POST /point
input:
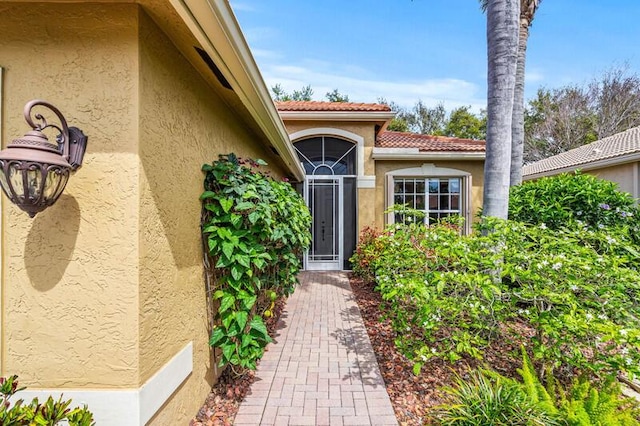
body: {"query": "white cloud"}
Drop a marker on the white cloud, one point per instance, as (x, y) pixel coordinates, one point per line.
(241, 6)
(533, 76)
(362, 86)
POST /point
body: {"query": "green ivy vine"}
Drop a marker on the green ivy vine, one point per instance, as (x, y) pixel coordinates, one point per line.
(256, 229)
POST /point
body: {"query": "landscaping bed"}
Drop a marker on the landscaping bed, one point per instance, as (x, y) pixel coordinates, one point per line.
(414, 396)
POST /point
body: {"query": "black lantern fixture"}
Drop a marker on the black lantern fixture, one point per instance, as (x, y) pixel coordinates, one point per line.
(34, 170)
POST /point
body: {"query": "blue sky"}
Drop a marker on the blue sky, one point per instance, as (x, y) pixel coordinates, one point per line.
(433, 50)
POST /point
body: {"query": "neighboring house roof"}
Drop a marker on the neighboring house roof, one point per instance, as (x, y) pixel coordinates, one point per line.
(329, 106)
(616, 149)
(412, 146)
(427, 142)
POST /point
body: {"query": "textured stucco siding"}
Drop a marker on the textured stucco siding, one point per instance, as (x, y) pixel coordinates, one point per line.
(70, 276)
(625, 175)
(104, 288)
(183, 125)
(476, 168)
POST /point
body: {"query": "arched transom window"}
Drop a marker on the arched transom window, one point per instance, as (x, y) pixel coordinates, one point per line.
(324, 155)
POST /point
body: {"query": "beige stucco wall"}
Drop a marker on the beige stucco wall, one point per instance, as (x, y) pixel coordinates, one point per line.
(476, 168)
(625, 175)
(182, 126)
(70, 276)
(105, 287)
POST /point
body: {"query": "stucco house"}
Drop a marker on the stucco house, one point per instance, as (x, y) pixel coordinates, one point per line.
(615, 158)
(356, 169)
(102, 295)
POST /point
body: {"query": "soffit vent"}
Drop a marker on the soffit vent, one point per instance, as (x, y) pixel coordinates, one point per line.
(212, 66)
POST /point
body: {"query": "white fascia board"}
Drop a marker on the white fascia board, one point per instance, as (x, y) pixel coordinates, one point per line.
(337, 115)
(126, 407)
(607, 162)
(214, 25)
(416, 154)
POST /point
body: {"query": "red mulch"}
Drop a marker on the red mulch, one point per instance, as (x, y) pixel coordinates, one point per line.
(413, 396)
(222, 404)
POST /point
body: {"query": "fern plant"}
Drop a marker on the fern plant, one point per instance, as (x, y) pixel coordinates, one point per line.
(585, 405)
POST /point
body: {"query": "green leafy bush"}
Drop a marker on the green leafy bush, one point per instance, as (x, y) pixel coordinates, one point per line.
(256, 229)
(576, 307)
(572, 199)
(366, 253)
(49, 413)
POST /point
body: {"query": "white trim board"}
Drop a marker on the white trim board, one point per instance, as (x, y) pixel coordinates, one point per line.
(416, 154)
(127, 407)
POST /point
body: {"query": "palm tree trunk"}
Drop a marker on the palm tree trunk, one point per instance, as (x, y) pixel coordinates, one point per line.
(517, 121)
(502, 54)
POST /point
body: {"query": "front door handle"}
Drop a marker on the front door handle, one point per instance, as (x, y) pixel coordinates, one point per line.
(322, 230)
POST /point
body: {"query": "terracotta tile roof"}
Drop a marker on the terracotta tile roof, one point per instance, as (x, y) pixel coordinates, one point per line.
(426, 143)
(618, 145)
(329, 106)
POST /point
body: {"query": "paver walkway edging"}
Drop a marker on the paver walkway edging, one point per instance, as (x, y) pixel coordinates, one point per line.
(321, 368)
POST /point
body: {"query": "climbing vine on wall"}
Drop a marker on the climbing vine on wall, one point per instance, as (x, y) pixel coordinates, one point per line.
(255, 229)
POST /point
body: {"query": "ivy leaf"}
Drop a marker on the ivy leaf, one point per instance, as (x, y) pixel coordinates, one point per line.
(217, 336)
(226, 204)
(248, 303)
(227, 249)
(258, 263)
(227, 302)
(257, 328)
(207, 167)
(417, 367)
(222, 262)
(241, 319)
(244, 205)
(208, 194)
(254, 216)
(228, 350)
(261, 162)
(236, 272)
(236, 220)
(243, 259)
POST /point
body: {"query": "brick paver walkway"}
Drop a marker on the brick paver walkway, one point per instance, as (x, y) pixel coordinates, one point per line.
(321, 369)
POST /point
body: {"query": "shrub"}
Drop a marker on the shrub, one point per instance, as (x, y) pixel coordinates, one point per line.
(256, 230)
(571, 199)
(366, 253)
(49, 413)
(577, 307)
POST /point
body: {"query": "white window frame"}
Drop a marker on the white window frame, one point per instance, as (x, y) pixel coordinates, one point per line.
(431, 171)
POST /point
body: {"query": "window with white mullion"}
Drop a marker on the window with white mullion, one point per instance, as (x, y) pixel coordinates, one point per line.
(436, 197)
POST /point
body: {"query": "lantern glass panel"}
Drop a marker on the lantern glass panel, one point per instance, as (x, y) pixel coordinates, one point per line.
(34, 180)
(5, 184)
(16, 180)
(56, 181)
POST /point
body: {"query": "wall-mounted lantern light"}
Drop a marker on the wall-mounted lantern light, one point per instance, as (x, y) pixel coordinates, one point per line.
(34, 170)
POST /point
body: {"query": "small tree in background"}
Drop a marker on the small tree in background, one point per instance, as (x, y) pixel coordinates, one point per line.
(303, 94)
(336, 96)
